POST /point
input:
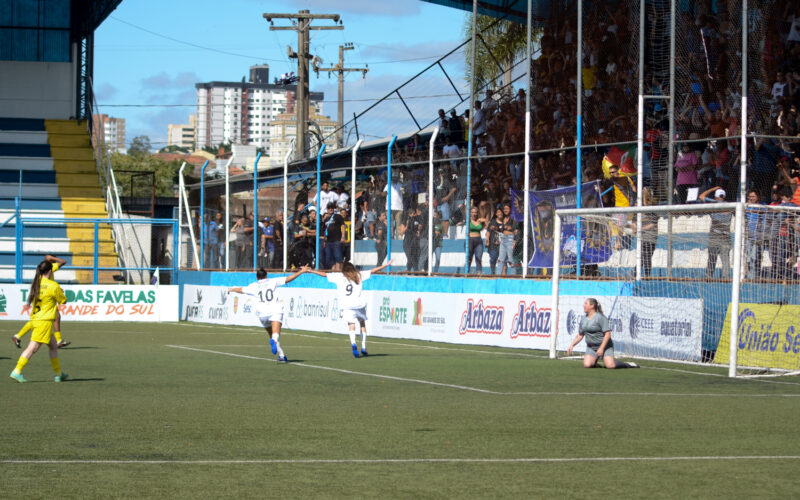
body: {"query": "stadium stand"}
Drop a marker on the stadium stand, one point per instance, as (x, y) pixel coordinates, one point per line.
(49, 165)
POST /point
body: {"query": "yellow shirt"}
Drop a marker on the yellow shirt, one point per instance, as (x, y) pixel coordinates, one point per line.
(45, 306)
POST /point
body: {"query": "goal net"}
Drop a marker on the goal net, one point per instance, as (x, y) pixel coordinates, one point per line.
(673, 282)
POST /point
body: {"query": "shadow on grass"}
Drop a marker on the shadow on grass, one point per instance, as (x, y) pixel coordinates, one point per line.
(370, 355)
(78, 348)
(96, 379)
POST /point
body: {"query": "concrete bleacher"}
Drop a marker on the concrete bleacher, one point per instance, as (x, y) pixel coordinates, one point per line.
(50, 166)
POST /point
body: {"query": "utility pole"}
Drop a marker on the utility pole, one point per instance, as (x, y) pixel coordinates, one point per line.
(301, 23)
(341, 70)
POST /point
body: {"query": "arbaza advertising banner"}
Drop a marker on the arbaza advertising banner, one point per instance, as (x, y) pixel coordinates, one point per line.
(474, 319)
(99, 303)
(767, 337)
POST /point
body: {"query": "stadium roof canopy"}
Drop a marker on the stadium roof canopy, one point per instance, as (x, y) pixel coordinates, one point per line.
(510, 10)
(87, 15)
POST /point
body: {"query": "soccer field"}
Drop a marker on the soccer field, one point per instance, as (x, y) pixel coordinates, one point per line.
(200, 411)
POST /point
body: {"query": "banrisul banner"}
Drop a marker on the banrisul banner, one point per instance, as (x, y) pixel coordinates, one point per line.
(303, 309)
(99, 302)
(641, 326)
(768, 337)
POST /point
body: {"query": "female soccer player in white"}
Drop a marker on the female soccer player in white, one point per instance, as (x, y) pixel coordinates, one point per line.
(594, 326)
(268, 309)
(354, 308)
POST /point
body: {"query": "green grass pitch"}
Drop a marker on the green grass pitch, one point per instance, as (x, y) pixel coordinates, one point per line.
(201, 411)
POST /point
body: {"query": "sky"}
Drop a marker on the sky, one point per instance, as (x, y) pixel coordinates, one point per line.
(149, 54)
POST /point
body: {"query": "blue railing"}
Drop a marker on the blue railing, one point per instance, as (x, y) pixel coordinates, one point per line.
(22, 223)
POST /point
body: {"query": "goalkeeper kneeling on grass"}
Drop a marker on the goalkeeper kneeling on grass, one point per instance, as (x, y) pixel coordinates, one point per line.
(594, 326)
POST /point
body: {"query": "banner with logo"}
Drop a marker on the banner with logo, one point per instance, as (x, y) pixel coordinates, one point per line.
(485, 319)
(646, 327)
(650, 327)
(543, 204)
(767, 338)
(303, 309)
(99, 303)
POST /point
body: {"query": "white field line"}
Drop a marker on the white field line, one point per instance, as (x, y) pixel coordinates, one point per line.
(476, 389)
(399, 460)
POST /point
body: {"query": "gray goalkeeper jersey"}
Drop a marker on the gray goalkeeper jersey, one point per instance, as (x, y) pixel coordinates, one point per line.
(593, 329)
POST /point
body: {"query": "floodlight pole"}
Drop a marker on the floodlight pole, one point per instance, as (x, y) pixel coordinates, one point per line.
(301, 23)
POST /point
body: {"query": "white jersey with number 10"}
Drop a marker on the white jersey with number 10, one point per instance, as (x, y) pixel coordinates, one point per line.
(349, 292)
(268, 303)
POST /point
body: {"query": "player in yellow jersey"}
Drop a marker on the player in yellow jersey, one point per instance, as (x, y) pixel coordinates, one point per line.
(44, 297)
(17, 339)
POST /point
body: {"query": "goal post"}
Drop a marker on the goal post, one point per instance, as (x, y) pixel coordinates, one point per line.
(709, 283)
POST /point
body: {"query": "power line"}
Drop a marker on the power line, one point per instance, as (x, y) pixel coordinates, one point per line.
(259, 58)
(431, 96)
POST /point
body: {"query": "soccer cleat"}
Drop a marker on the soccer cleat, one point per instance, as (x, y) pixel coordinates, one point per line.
(273, 346)
(61, 378)
(64, 343)
(282, 359)
(355, 350)
(16, 341)
(631, 364)
(18, 377)
(364, 352)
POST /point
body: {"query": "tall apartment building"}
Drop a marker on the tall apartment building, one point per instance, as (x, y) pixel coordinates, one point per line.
(240, 112)
(113, 132)
(182, 135)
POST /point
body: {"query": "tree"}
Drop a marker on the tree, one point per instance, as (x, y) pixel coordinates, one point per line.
(166, 174)
(140, 146)
(507, 41)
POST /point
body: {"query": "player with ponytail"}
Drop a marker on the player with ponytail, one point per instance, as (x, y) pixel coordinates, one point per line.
(594, 326)
(44, 297)
(354, 308)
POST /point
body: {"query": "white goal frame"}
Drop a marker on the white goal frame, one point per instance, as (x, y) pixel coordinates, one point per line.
(737, 208)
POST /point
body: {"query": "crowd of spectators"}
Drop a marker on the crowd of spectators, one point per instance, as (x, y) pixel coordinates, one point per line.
(707, 127)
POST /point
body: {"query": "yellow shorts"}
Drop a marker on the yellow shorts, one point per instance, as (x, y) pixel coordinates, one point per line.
(42, 331)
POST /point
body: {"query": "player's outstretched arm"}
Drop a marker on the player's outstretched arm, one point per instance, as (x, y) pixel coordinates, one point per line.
(314, 271)
(382, 267)
(295, 275)
(236, 289)
(55, 260)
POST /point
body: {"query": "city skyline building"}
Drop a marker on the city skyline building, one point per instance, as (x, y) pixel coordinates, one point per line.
(113, 132)
(241, 112)
(183, 135)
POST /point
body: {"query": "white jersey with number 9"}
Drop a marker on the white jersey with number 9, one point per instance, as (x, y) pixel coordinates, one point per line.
(349, 292)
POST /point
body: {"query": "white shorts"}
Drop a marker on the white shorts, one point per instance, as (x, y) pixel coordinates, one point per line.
(352, 316)
(267, 320)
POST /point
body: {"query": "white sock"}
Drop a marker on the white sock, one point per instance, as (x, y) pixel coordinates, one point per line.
(352, 337)
(363, 340)
(276, 337)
